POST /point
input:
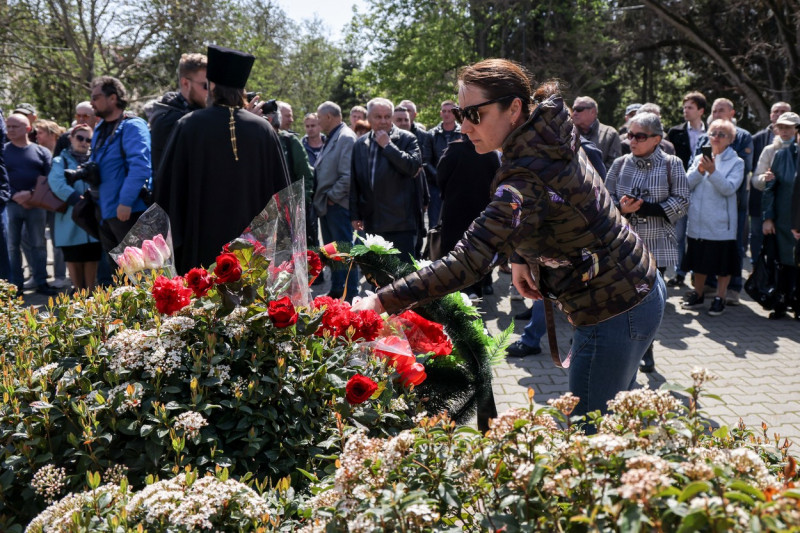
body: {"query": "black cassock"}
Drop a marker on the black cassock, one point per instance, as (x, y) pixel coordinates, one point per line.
(209, 195)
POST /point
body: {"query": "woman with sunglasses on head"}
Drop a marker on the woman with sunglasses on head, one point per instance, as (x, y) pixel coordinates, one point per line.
(649, 187)
(552, 215)
(712, 221)
(81, 251)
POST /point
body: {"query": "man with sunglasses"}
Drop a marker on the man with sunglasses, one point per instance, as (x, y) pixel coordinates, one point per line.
(584, 116)
(192, 95)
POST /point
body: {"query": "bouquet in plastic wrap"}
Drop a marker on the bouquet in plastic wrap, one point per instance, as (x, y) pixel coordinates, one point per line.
(147, 247)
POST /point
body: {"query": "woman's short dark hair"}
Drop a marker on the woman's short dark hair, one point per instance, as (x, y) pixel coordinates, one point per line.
(501, 77)
(224, 95)
(80, 127)
(110, 85)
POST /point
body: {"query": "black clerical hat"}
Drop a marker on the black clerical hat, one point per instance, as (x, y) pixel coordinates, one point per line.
(228, 67)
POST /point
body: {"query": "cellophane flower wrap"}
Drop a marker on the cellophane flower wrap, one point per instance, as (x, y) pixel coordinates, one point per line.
(147, 247)
(279, 233)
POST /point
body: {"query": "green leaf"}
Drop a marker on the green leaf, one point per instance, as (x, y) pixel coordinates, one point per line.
(496, 350)
(309, 475)
(630, 521)
(743, 486)
(721, 433)
(692, 489)
(693, 522)
(739, 497)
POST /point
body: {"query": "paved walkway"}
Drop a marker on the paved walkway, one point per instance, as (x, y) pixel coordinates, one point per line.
(757, 360)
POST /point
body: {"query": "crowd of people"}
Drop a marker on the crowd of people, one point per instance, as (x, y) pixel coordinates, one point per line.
(696, 196)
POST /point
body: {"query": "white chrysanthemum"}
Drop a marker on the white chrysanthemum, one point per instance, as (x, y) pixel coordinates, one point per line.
(465, 299)
(376, 240)
(190, 422)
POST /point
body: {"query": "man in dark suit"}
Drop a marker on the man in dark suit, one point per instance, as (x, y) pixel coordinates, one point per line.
(684, 137)
(383, 192)
(761, 140)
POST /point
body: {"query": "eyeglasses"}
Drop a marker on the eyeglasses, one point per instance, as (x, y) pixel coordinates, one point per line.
(471, 111)
(579, 109)
(720, 134)
(640, 137)
(83, 139)
(203, 84)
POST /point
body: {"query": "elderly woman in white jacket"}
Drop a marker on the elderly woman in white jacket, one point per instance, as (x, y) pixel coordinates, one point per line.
(711, 224)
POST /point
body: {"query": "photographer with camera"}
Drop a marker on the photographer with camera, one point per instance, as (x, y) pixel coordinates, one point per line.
(121, 150)
(81, 251)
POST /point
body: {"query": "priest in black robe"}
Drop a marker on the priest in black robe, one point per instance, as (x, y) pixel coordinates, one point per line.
(221, 166)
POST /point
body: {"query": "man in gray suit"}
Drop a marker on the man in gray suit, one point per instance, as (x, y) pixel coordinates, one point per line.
(584, 116)
(332, 197)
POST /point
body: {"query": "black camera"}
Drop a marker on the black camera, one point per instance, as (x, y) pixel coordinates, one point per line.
(88, 172)
(270, 106)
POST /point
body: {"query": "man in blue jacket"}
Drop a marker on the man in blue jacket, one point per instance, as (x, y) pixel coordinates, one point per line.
(121, 149)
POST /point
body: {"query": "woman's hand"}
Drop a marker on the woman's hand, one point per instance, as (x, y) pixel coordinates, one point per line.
(370, 301)
(523, 281)
(629, 204)
(768, 227)
(707, 165)
(768, 175)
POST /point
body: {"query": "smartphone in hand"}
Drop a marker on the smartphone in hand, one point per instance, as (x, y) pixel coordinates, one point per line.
(706, 151)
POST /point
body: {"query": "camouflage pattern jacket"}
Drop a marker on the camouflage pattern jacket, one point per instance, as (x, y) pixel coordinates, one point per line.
(550, 210)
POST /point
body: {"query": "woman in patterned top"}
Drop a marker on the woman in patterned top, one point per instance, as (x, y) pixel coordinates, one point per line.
(552, 215)
(649, 187)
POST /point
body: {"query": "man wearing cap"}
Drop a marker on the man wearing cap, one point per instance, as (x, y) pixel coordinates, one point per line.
(192, 95)
(584, 116)
(221, 166)
(629, 112)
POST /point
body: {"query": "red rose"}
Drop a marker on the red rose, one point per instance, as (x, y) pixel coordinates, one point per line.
(228, 268)
(412, 374)
(282, 312)
(314, 266)
(171, 295)
(425, 336)
(199, 281)
(359, 388)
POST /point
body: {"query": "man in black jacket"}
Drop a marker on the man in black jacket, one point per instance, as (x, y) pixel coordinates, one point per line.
(439, 137)
(173, 105)
(383, 192)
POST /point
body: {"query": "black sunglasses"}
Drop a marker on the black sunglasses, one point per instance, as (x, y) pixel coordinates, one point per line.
(83, 139)
(579, 109)
(640, 137)
(471, 111)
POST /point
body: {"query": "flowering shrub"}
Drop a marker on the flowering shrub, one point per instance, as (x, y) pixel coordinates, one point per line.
(653, 465)
(209, 371)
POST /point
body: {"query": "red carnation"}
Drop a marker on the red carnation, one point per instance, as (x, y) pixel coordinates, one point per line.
(171, 295)
(359, 389)
(370, 325)
(331, 252)
(228, 268)
(199, 281)
(425, 336)
(282, 312)
(314, 266)
(258, 248)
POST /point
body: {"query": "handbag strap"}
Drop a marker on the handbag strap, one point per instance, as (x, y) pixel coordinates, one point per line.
(550, 322)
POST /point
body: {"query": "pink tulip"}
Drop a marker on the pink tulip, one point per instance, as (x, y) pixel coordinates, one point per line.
(134, 259)
(152, 257)
(162, 246)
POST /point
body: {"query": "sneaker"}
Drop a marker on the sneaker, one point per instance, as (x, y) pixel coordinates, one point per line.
(29, 284)
(692, 300)
(514, 294)
(61, 283)
(525, 315)
(717, 307)
(732, 298)
(676, 282)
(520, 349)
(46, 290)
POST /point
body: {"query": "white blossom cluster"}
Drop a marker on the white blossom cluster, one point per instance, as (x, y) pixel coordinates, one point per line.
(645, 475)
(565, 403)
(701, 376)
(196, 507)
(48, 482)
(134, 349)
(114, 474)
(398, 404)
(222, 372)
(504, 423)
(747, 461)
(629, 403)
(190, 423)
(43, 371)
(235, 324)
(120, 291)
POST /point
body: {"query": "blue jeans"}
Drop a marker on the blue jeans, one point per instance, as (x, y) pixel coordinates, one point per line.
(33, 220)
(605, 356)
(5, 265)
(680, 236)
(336, 226)
(536, 327)
(435, 205)
(756, 238)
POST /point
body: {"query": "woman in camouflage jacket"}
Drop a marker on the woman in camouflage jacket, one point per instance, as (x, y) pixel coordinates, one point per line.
(552, 215)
